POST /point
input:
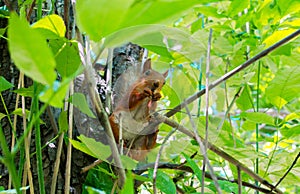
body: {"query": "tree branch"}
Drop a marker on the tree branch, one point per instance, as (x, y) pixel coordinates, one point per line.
(207, 175)
(233, 72)
(290, 168)
(218, 151)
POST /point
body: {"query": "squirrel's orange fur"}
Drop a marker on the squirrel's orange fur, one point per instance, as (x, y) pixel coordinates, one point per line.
(133, 111)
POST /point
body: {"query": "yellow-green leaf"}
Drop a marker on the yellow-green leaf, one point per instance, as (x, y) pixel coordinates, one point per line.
(53, 23)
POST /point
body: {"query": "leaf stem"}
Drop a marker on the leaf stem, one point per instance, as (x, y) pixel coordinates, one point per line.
(38, 145)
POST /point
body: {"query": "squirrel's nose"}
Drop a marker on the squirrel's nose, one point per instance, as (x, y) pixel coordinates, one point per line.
(156, 84)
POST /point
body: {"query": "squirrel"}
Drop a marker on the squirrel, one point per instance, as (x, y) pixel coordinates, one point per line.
(133, 111)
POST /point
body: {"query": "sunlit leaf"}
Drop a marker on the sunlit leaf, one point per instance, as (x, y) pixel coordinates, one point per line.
(30, 52)
(284, 87)
(277, 36)
(290, 132)
(112, 15)
(258, 117)
(244, 101)
(53, 23)
(107, 16)
(237, 6)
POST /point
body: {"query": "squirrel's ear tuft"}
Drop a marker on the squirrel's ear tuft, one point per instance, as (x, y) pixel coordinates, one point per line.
(147, 65)
(166, 74)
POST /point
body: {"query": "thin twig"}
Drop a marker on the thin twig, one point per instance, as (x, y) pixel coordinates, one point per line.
(206, 106)
(66, 17)
(8, 5)
(52, 120)
(218, 151)
(233, 72)
(87, 168)
(185, 168)
(158, 157)
(101, 114)
(203, 150)
(109, 80)
(27, 140)
(59, 151)
(290, 168)
(239, 180)
(29, 12)
(69, 148)
(14, 125)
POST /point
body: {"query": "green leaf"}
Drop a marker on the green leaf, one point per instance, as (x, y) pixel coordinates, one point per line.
(99, 180)
(112, 15)
(154, 12)
(28, 92)
(284, 87)
(248, 125)
(2, 116)
(53, 23)
(237, 6)
(18, 112)
(4, 84)
(79, 101)
(68, 60)
(2, 31)
(98, 149)
(244, 101)
(105, 14)
(30, 52)
(128, 186)
(191, 163)
(128, 162)
(63, 121)
(55, 94)
(258, 117)
(291, 116)
(82, 147)
(290, 132)
(228, 186)
(164, 182)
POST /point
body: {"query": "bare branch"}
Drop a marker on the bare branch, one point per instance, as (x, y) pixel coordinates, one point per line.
(102, 116)
(207, 175)
(290, 168)
(218, 151)
(203, 150)
(158, 157)
(206, 109)
(233, 72)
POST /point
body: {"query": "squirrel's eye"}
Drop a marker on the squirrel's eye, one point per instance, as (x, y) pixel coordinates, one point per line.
(147, 72)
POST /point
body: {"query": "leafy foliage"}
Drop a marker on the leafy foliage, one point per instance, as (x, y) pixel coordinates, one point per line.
(253, 117)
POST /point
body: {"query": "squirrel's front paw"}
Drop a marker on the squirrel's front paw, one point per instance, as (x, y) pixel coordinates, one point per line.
(156, 96)
(148, 92)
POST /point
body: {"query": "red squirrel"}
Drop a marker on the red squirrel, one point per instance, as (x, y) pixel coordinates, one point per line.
(133, 112)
